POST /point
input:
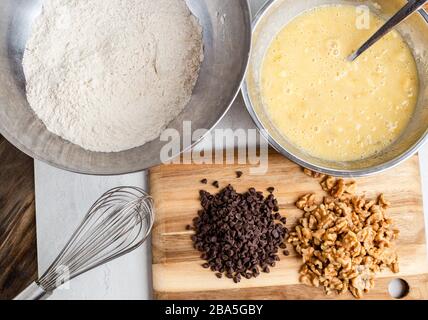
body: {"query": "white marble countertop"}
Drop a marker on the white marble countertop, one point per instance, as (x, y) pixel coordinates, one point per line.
(62, 199)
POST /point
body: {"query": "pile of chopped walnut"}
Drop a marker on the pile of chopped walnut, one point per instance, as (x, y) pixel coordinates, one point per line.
(345, 240)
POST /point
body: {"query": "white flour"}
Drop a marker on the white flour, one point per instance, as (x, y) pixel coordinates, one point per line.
(111, 75)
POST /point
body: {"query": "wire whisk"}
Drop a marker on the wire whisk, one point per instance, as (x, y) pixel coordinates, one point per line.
(118, 223)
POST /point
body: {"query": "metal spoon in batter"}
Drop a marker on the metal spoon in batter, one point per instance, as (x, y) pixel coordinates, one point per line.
(400, 16)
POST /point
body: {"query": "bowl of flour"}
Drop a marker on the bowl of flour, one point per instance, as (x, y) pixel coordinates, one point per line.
(90, 86)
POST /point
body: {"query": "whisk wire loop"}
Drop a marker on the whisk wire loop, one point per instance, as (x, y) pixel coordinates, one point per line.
(119, 222)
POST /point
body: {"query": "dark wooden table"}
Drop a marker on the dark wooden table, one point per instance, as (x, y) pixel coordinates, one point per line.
(18, 251)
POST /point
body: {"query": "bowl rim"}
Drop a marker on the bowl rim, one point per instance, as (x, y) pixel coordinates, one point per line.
(411, 151)
(236, 90)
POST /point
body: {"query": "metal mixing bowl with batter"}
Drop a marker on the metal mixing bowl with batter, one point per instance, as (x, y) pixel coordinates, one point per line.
(270, 20)
(227, 41)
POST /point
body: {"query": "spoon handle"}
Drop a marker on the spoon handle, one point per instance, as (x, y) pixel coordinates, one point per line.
(400, 16)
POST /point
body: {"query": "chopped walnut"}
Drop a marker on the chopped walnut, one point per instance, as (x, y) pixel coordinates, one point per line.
(328, 183)
(313, 174)
(345, 240)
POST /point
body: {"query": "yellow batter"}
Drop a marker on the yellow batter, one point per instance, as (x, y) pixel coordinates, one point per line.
(329, 107)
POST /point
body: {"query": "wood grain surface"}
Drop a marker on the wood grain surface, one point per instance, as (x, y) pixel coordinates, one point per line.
(18, 253)
(177, 271)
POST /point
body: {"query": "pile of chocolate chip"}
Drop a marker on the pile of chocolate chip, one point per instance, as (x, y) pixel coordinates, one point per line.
(239, 235)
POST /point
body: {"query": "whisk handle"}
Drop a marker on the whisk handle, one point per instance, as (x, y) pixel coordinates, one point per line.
(33, 292)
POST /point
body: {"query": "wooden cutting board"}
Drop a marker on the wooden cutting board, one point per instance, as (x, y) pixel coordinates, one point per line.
(177, 271)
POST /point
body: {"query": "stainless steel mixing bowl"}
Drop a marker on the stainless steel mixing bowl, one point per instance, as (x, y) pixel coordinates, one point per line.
(227, 42)
(268, 23)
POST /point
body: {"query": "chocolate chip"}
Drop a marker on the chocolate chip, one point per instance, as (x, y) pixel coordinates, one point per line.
(204, 181)
(286, 253)
(238, 233)
(219, 275)
(271, 189)
(188, 227)
(239, 174)
(216, 184)
(266, 269)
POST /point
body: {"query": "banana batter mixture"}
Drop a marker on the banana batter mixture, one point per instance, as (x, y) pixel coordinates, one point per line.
(329, 107)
